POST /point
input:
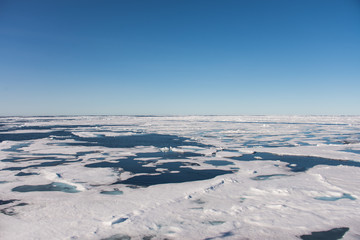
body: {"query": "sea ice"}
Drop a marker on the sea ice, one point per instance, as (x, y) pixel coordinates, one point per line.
(180, 177)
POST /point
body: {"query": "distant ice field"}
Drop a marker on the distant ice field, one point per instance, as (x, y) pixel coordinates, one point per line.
(180, 177)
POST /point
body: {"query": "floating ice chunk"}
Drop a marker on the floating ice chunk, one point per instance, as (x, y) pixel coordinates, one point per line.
(228, 154)
(164, 149)
(85, 134)
(171, 149)
(178, 150)
(162, 170)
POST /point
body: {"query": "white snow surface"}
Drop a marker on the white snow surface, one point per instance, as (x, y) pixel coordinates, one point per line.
(229, 206)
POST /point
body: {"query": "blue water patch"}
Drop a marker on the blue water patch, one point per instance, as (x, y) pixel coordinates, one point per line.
(187, 175)
(118, 237)
(223, 235)
(129, 165)
(168, 155)
(299, 143)
(26, 159)
(120, 220)
(25, 174)
(55, 186)
(32, 136)
(267, 144)
(332, 140)
(55, 162)
(44, 164)
(56, 127)
(267, 177)
(351, 141)
(341, 139)
(344, 196)
(199, 201)
(181, 174)
(352, 151)
(286, 139)
(132, 164)
(16, 147)
(296, 163)
(4, 202)
(214, 223)
(219, 162)
(113, 192)
(80, 154)
(156, 140)
(182, 171)
(332, 234)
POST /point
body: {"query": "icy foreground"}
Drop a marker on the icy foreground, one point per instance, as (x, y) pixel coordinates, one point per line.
(195, 177)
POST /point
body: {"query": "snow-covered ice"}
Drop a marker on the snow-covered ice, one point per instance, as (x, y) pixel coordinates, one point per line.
(179, 177)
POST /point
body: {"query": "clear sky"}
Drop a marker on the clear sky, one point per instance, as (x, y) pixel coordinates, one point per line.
(179, 57)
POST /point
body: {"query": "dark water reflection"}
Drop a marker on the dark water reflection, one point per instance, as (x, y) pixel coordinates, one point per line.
(185, 175)
(332, 234)
(296, 163)
(156, 140)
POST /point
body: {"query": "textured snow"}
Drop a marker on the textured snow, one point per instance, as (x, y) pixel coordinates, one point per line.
(253, 200)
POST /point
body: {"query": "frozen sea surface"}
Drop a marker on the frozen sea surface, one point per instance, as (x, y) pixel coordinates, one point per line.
(191, 177)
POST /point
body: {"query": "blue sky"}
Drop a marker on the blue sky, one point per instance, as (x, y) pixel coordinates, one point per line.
(179, 57)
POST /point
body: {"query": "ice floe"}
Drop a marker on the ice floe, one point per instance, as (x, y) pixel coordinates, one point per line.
(180, 177)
